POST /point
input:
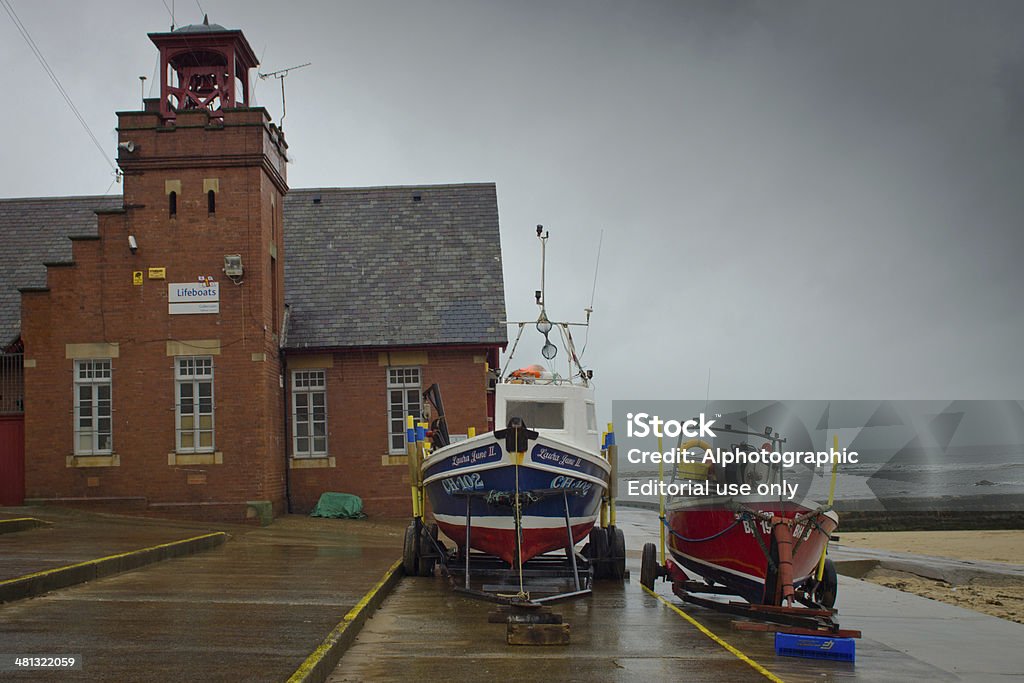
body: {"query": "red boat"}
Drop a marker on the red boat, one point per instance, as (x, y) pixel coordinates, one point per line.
(767, 550)
(729, 543)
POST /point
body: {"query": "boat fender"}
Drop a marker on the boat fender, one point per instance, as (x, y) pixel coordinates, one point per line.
(783, 537)
(697, 470)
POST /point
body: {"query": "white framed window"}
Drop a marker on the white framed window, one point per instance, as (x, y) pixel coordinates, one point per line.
(538, 414)
(93, 433)
(403, 399)
(591, 417)
(309, 413)
(193, 411)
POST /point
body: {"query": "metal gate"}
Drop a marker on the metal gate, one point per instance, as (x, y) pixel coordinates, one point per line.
(12, 430)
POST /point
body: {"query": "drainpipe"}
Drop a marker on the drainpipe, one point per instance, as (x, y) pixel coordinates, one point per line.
(284, 412)
(284, 415)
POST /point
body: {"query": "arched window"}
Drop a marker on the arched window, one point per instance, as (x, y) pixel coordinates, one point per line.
(172, 204)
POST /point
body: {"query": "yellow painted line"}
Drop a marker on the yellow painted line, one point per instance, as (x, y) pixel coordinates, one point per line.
(56, 570)
(21, 519)
(706, 631)
(335, 635)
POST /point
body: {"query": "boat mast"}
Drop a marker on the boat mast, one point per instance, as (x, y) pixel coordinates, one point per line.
(544, 326)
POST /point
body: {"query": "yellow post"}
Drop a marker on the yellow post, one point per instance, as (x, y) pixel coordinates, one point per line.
(613, 483)
(831, 497)
(661, 502)
(471, 432)
(414, 467)
(424, 450)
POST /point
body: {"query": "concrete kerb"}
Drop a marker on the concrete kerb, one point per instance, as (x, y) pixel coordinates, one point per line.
(9, 526)
(37, 583)
(319, 665)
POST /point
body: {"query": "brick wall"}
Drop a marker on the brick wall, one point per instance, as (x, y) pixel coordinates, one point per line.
(94, 301)
(357, 422)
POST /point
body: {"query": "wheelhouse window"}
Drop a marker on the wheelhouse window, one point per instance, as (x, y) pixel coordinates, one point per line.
(93, 433)
(591, 418)
(309, 413)
(403, 399)
(537, 414)
(193, 377)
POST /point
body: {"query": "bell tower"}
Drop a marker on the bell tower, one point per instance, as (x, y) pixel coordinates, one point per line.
(191, 271)
(203, 66)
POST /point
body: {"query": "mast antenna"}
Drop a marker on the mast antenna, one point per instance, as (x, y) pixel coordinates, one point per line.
(280, 75)
(593, 292)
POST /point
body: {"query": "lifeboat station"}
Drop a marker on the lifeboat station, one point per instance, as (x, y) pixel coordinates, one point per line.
(215, 344)
(189, 370)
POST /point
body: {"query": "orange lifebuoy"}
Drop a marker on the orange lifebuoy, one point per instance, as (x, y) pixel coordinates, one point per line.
(534, 371)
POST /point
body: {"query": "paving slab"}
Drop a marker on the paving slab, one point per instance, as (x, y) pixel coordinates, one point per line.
(252, 609)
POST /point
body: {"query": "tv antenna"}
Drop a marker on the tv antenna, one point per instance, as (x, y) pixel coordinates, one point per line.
(280, 75)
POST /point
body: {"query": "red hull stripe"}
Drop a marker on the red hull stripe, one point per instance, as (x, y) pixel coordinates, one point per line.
(502, 542)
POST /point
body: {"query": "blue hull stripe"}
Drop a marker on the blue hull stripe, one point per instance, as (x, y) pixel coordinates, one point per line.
(502, 478)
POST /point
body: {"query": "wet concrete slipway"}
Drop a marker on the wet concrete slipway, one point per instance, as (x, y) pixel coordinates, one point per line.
(425, 632)
(259, 605)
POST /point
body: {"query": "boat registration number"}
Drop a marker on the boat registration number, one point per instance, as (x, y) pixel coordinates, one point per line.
(765, 527)
(463, 482)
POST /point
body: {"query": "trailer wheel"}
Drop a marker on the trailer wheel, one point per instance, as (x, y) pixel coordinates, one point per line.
(825, 592)
(648, 566)
(410, 553)
(616, 553)
(427, 556)
(599, 552)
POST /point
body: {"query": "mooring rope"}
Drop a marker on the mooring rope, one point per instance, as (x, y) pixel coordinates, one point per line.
(696, 540)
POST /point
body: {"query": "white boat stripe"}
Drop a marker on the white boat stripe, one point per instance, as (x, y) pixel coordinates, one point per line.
(506, 522)
(749, 577)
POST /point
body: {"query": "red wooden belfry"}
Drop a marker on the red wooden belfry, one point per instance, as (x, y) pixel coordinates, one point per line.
(203, 66)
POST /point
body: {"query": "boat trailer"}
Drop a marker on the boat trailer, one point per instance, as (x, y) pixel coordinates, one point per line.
(813, 615)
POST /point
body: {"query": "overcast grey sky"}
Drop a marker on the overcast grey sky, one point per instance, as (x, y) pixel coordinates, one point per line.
(814, 199)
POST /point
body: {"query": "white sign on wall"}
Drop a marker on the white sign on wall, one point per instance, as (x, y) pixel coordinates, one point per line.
(193, 297)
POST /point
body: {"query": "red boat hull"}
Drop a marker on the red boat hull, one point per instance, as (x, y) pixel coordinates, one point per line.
(709, 540)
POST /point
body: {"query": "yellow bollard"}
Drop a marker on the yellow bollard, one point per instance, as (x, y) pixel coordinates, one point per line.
(471, 432)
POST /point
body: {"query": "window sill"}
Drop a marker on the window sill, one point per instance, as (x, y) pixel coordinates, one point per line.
(195, 458)
(112, 460)
(389, 460)
(308, 463)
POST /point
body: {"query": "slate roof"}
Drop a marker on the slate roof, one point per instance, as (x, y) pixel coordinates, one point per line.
(375, 267)
(364, 267)
(34, 232)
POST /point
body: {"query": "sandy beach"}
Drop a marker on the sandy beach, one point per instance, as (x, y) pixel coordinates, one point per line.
(991, 546)
(997, 596)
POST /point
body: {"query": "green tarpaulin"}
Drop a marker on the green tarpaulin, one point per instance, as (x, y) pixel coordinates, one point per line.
(343, 505)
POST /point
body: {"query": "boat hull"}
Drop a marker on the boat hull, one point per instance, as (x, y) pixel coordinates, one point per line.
(481, 466)
(708, 540)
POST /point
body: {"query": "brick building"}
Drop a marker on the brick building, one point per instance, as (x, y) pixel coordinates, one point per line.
(213, 344)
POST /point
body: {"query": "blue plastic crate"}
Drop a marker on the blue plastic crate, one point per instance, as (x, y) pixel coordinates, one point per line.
(815, 647)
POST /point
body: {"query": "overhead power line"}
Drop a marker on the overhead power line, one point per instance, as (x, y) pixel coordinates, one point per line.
(56, 81)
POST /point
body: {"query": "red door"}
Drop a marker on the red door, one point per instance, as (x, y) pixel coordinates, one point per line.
(12, 459)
